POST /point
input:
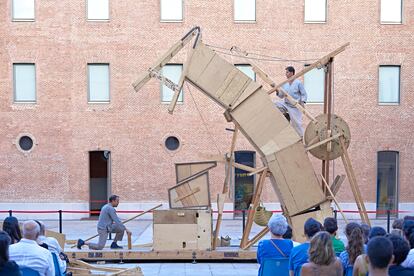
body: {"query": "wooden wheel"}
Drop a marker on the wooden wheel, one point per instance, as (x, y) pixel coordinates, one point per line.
(316, 132)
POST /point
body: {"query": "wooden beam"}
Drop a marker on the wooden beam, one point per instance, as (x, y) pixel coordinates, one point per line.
(334, 198)
(260, 235)
(323, 142)
(196, 190)
(252, 211)
(257, 171)
(321, 62)
(336, 184)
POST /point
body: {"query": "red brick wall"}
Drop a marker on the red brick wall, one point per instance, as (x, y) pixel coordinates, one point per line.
(133, 125)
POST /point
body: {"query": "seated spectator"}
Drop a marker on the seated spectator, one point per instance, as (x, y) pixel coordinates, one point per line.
(11, 227)
(276, 247)
(397, 232)
(365, 230)
(400, 252)
(408, 228)
(7, 268)
(397, 224)
(355, 247)
(377, 231)
(288, 236)
(299, 254)
(322, 259)
(331, 226)
(409, 235)
(379, 256)
(28, 253)
(52, 245)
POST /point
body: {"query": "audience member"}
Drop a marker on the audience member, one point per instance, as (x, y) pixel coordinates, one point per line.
(409, 260)
(377, 231)
(397, 224)
(400, 252)
(276, 247)
(288, 236)
(7, 268)
(331, 226)
(355, 247)
(52, 245)
(11, 227)
(379, 256)
(322, 259)
(365, 230)
(299, 254)
(28, 253)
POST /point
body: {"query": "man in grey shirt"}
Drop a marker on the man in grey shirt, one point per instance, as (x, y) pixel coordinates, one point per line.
(297, 91)
(108, 222)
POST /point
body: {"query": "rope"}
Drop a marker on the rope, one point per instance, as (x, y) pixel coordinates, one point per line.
(260, 57)
(202, 119)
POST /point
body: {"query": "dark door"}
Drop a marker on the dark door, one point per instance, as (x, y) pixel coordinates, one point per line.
(387, 182)
(99, 180)
(243, 184)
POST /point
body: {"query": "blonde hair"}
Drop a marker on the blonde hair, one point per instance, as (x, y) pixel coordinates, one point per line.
(321, 250)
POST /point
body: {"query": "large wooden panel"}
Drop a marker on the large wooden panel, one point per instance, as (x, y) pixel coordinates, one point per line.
(174, 217)
(186, 170)
(175, 236)
(194, 193)
(294, 179)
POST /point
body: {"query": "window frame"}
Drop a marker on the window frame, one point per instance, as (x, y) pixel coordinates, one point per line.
(89, 84)
(172, 20)
(161, 86)
(315, 21)
(15, 101)
(399, 86)
(23, 19)
(97, 20)
(245, 21)
(391, 22)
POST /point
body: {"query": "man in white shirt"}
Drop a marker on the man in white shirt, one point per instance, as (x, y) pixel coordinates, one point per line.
(53, 245)
(28, 253)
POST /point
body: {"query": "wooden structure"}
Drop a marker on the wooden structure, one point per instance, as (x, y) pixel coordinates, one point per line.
(301, 192)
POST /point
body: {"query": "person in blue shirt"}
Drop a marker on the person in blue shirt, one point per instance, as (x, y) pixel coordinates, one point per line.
(299, 254)
(400, 252)
(276, 247)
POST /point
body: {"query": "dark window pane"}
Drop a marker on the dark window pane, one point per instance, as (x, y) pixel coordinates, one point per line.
(26, 143)
(172, 143)
(387, 181)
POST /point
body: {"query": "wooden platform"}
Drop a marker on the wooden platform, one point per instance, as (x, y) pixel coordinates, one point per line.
(224, 253)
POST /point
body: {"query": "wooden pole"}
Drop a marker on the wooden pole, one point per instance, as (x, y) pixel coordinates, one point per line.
(260, 235)
(334, 199)
(125, 221)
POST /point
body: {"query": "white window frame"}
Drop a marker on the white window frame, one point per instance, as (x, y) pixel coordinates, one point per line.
(98, 19)
(392, 22)
(180, 99)
(311, 21)
(399, 86)
(245, 65)
(89, 84)
(244, 20)
(309, 101)
(23, 19)
(15, 100)
(172, 20)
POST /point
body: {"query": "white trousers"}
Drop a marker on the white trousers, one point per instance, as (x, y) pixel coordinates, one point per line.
(294, 114)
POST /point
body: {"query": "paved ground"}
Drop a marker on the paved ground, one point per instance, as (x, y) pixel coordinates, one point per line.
(142, 233)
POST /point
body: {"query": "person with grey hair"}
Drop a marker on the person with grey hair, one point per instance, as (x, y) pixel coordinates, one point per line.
(28, 253)
(276, 247)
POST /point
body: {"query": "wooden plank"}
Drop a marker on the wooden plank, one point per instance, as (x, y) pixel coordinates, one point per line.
(129, 241)
(197, 200)
(339, 179)
(190, 169)
(252, 210)
(61, 238)
(323, 142)
(334, 198)
(257, 171)
(256, 238)
(196, 190)
(175, 217)
(322, 61)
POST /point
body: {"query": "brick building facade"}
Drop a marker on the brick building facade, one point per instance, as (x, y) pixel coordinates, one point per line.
(129, 129)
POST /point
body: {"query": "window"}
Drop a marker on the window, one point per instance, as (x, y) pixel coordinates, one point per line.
(244, 10)
(172, 143)
(171, 72)
(247, 69)
(387, 181)
(98, 9)
(391, 11)
(23, 10)
(24, 81)
(98, 82)
(389, 85)
(171, 10)
(315, 11)
(314, 82)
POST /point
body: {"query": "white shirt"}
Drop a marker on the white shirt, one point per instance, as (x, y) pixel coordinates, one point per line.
(29, 253)
(409, 261)
(55, 248)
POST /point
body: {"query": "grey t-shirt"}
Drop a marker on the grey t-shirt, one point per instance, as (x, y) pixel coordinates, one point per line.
(296, 90)
(107, 217)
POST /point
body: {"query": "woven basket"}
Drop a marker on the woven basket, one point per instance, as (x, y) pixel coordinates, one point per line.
(262, 216)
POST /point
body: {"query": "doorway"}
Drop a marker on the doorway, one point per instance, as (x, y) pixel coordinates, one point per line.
(99, 179)
(243, 183)
(387, 182)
